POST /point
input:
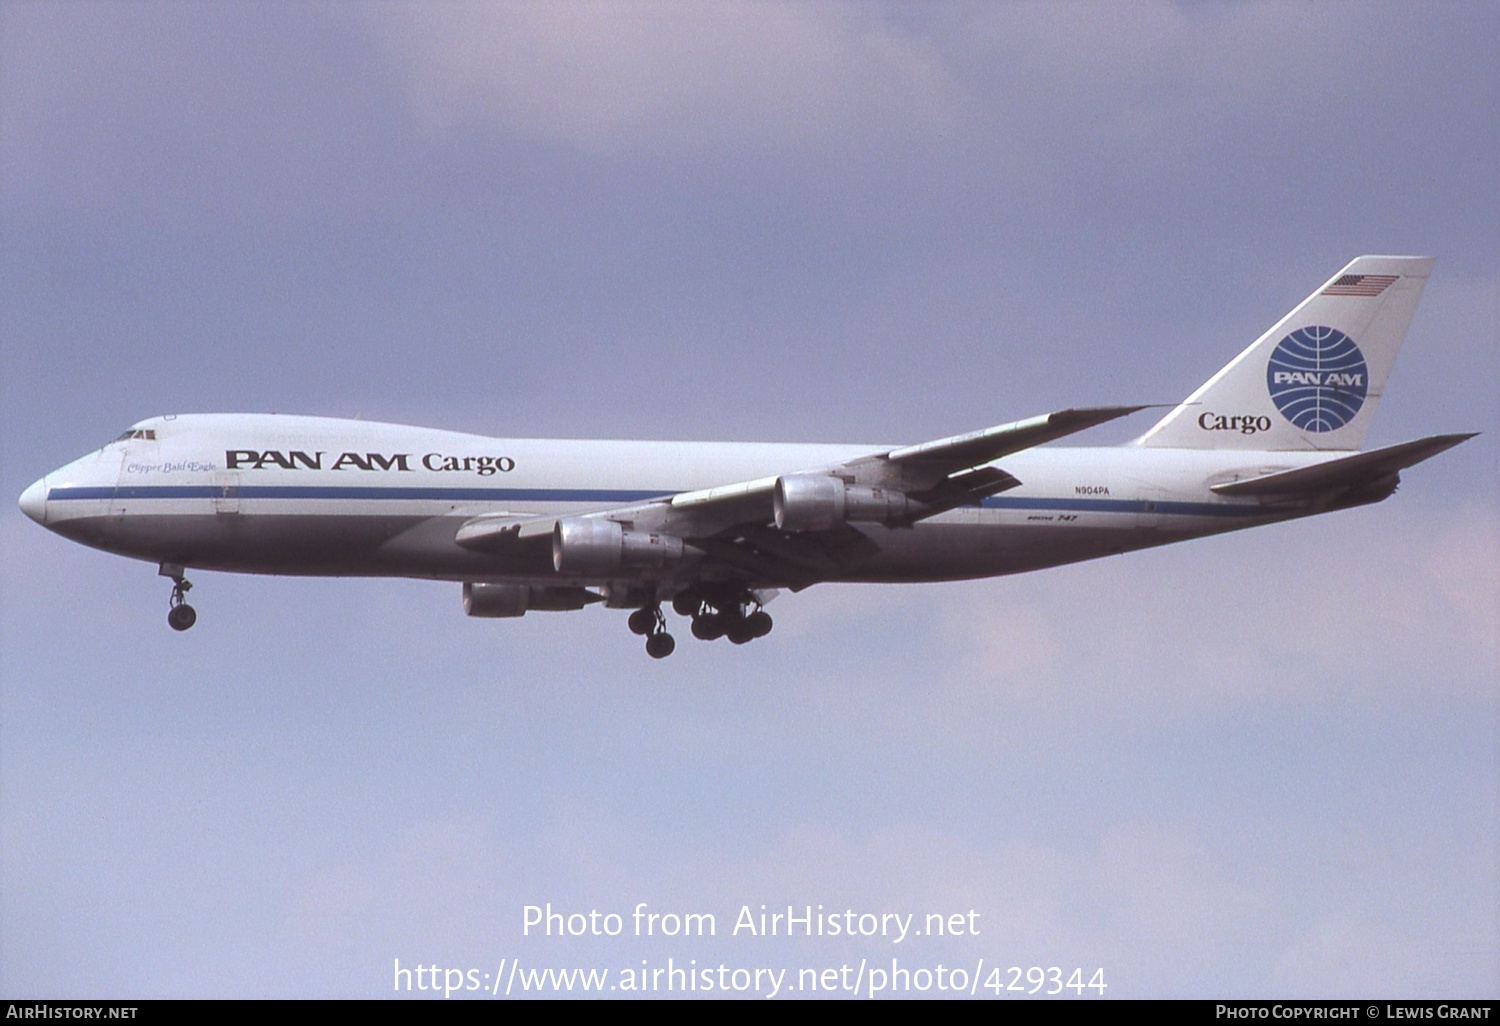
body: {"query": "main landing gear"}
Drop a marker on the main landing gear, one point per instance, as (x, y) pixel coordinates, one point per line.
(649, 621)
(180, 615)
(735, 615)
(738, 626)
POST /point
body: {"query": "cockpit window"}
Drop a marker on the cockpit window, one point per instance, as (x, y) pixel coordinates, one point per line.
(145, 434)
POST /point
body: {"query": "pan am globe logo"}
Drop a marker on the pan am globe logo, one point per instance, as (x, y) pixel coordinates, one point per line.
(1317, 378)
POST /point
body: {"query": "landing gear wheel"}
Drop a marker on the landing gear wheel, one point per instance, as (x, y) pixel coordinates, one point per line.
(687, 603)
(759, 623)
(659, 646)
(708, 627)
(180, 616)
(643, 621)
(740, 631)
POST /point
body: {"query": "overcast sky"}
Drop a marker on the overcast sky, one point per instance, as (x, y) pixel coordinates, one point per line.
(1261, 764)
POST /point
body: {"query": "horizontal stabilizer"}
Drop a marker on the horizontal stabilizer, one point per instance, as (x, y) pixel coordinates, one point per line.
(1345, 472)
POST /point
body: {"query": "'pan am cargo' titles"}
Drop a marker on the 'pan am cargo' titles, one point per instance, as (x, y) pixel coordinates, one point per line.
(296, 459)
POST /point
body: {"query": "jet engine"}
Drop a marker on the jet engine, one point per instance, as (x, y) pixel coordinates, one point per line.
(515, 599)
(810, 503)
(589, 547)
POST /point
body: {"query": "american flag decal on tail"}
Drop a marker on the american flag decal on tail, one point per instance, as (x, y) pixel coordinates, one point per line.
(1360, 285)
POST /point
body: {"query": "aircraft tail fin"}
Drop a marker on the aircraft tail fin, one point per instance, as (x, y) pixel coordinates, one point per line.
(1313, 380)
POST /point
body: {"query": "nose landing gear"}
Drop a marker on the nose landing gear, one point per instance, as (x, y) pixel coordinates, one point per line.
(180, 615)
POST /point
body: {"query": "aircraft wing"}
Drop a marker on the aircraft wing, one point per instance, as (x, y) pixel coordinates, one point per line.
(930, 464)
(795, 528)
(960, 452)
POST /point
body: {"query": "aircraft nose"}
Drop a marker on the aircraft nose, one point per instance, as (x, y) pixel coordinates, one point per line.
(34, 501)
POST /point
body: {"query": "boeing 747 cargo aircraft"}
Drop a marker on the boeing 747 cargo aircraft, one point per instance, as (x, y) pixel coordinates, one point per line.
(713, 530)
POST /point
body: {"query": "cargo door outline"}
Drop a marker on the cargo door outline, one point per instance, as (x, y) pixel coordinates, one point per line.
(226, 496)
(117, 500)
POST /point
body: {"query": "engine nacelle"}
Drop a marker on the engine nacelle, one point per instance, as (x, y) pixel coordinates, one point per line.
(811, 503)
(589, 547)
(496, 600)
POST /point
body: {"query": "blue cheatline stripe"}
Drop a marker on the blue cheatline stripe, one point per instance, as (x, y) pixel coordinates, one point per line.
(316, 492)
(601, 495)
(1140, 506)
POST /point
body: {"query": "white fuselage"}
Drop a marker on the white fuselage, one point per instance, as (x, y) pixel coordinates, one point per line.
(319, 496)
